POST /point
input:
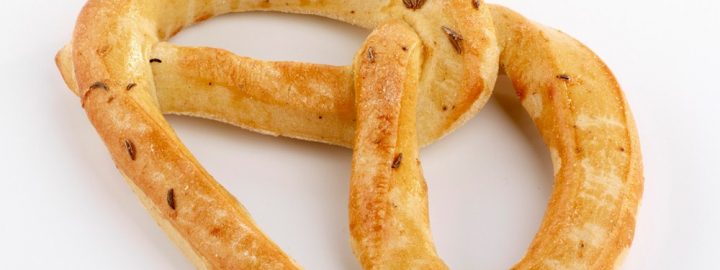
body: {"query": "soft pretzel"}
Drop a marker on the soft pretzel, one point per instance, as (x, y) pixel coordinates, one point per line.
(383, 107)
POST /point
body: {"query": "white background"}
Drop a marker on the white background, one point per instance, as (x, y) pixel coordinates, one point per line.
(64, 206)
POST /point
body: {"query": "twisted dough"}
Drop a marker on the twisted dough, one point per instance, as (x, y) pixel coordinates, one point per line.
(570, 94)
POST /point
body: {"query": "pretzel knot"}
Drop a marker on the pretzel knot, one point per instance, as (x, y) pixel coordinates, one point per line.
(426, 68)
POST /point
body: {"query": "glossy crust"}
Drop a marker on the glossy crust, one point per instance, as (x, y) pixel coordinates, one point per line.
(584, 119)
(310, 101)
(413, 87)
(388, 195)
(110, 65)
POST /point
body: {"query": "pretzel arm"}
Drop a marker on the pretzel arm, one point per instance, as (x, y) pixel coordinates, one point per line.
(388, 196)
(583, 117)
(299, 100)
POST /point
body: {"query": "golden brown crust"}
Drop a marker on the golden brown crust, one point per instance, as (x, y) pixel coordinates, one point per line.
(425, 75)
(453, 88)
(110, 66)
(584, 119)
(219, 230)
(297, 100)
(388, 195)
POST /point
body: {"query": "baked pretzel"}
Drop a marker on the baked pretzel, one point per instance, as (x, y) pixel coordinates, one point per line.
(426, 68)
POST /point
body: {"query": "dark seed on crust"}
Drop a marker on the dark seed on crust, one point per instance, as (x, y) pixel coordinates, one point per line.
(398, 160)
(371, 54)
(98, 85)
(171, 198)
(130, 147)
(455, 39)
(130, 86)
(155, 60)
(414, 4)
(563, 77)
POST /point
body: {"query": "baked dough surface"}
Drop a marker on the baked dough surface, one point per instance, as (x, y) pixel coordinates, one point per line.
(427, 67)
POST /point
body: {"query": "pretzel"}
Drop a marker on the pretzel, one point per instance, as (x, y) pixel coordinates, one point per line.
(391, 101)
